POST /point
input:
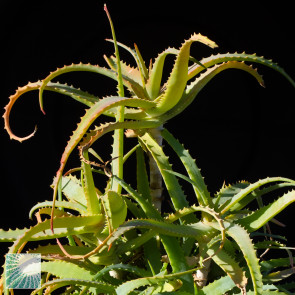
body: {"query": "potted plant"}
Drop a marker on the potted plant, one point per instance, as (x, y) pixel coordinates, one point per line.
(110, 237)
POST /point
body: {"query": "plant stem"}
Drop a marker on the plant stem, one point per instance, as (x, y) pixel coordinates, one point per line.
(201, 275)
(156, 184)
(117, 164)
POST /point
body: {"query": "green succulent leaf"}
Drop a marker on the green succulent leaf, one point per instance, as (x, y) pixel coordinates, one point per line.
(193, 230)
(130, 286)
(141, 68)
(241, 236)
(11, 234)
(143, 186)
(244, 192)
(127, 70)
(60, 204)
(155, 77)
(229, 265)
(66, 270)
(225, 57)
(115, 209)
(75, 93)
(193, 171)
(124, 267)
(198, 84)
(59, 283)
(175, 191)
(177, 80)
(147, 207)
(218, 287)
(72, 189)
(50, 249)
(90, 192)
(226, 193)
(155, 74)
(63, 226)
(260, 217)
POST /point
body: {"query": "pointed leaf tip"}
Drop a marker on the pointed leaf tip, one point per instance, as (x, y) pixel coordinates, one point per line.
(107, 12)
(203, 39)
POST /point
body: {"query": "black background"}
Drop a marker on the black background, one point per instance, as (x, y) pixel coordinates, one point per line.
(235, 129)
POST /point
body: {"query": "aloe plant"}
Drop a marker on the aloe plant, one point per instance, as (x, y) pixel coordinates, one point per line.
(119, 240)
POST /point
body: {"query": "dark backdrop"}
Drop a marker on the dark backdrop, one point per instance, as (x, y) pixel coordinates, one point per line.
(235, 129)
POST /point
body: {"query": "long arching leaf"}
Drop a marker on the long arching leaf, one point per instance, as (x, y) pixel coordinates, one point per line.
(218, 287)
(175, 191)
(66, 269)
(64, 226)
(70, 91)
(198, 84)
(61, 204)
(59, 283)
(193, 171)
(260, 217)
(229, 265)
(253, 58)
(241, 236)
(84, 68)
(244, 192)
(177, 81)
(141, 70)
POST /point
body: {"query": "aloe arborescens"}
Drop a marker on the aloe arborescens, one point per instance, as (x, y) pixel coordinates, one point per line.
(121, 243)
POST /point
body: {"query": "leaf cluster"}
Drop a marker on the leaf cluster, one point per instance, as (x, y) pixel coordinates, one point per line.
(120, 240)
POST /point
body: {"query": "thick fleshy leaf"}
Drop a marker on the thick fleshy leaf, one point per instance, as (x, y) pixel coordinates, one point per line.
(70, 91)
(193, 171)
(225, 57)
(127, 70)
(241, 237)
(176, 193)
(141, 68)
(64, 226)
(61, 204)
(229, 265)
(115, 209)
(178, 78)
(59, 283)
(198, 84)
(260, 217)
(72, 188)
(155, 77)
(65, 269)
(93, 205)
(218, 287)
(244, 192)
